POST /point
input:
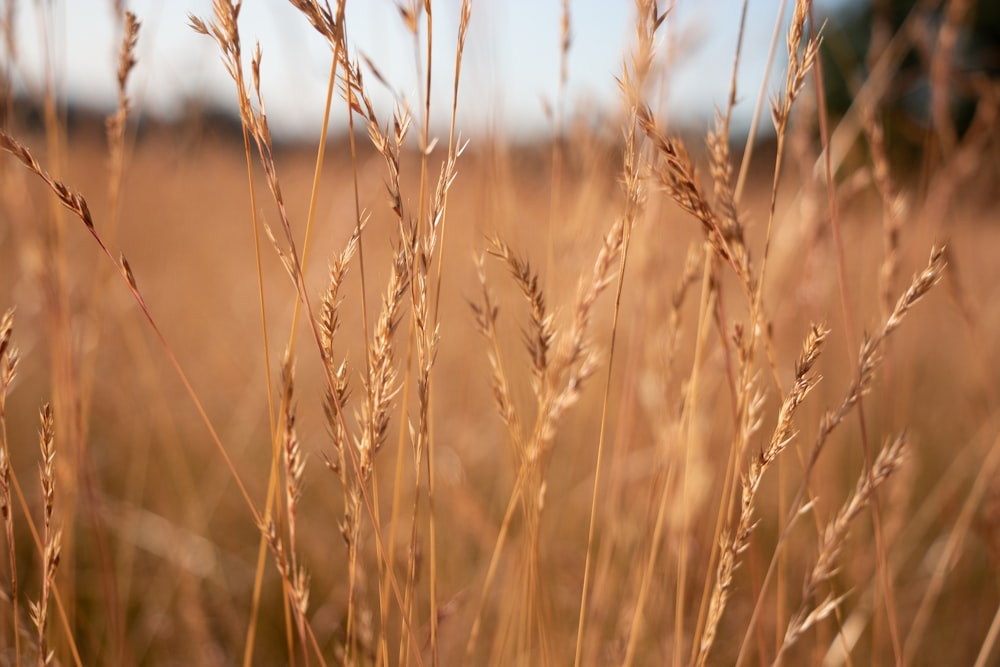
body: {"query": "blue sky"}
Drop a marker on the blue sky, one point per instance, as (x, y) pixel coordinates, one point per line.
(511, 64)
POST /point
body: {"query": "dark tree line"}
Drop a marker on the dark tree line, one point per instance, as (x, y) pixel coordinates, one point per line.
(952, 46)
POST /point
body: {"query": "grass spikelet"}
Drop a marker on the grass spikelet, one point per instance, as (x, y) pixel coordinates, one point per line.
(485, 314)
(736, 541)
(8, 371)
(51, 536)
(540, 333)
(675, 173)
(868, 363)
(831, 544)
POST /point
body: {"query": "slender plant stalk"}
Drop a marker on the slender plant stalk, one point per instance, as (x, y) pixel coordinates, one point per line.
(868, 362)
(65, 379)
(558, 140)
(959, 532)
(991, 639)
(720, 141)
(845, 302)
(632, 85)
(689, 408)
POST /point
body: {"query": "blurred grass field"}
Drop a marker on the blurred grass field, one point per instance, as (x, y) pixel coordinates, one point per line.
(160, 550)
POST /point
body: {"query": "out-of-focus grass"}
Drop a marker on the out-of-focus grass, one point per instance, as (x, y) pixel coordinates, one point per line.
(160, 533)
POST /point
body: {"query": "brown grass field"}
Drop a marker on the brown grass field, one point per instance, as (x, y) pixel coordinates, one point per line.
(599, 401)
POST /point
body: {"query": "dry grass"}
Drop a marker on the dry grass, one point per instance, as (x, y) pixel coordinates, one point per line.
(690, 417)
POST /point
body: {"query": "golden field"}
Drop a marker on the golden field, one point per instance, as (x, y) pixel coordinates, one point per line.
(586, 401)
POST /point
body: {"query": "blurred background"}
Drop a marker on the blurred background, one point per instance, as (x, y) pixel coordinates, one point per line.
(161, 554)
(511, 68)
